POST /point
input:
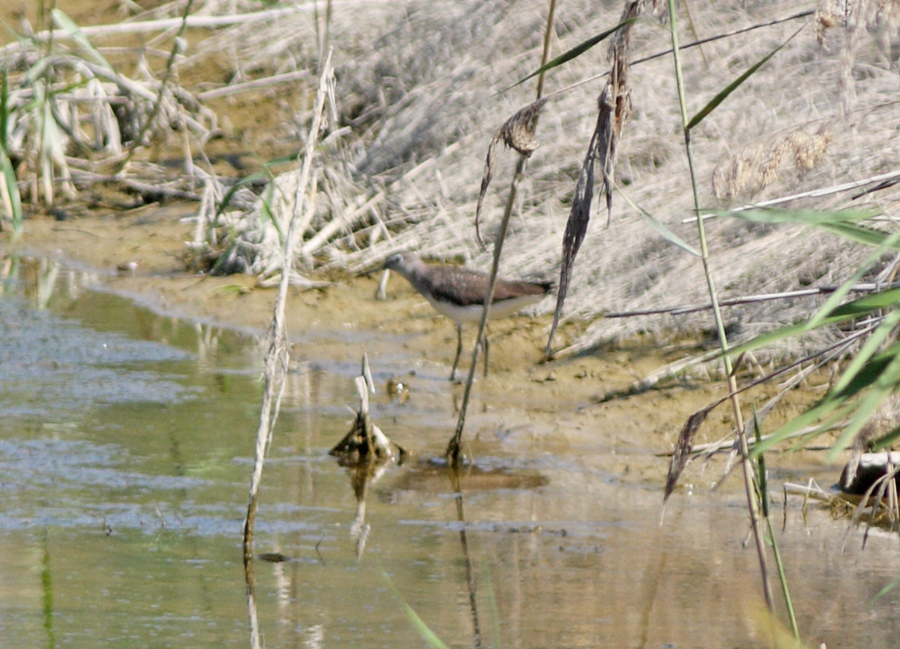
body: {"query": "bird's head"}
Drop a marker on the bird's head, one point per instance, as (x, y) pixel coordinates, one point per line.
(398, 260)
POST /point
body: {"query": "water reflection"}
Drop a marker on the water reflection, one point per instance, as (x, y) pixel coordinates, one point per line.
(456, 482)
(47, 586)
(367, 453)
(252, 615)
(78, 294)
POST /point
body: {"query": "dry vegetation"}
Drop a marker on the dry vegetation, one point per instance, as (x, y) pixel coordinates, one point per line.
(420, 94)
(422, 109)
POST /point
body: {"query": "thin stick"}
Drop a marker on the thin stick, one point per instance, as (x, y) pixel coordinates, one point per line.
(252, 615)
(277, 354)
(747, 465)
(137, 185)
(749, 299)
(808, 491)
(813, 193)
(237, 88)
(340, 221)
(202, 22)
(702, 41)
(176, 45)
(453, 447)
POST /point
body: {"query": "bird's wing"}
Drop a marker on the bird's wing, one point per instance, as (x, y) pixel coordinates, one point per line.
(458, 286)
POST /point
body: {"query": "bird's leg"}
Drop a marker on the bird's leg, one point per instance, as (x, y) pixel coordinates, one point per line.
(484, 346)
(458, 351)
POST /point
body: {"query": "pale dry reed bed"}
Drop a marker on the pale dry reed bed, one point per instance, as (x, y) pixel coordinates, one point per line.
(70, 119)
(415, 106)
(416, 87)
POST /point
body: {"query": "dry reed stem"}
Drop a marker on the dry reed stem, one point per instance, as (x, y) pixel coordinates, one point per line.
(454, 447)
(276, 359)
(48, 117)
(750, 486)
(166, 24)
(683, 448)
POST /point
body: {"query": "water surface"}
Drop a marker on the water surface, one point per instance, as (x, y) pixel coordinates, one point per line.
(126, 445)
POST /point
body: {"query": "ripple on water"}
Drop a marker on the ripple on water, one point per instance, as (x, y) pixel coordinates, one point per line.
(49, 364)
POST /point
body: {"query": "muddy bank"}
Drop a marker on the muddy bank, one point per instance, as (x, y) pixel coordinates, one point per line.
(558, 402)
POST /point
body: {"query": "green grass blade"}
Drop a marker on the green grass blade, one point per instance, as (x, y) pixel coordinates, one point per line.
(870, 302)
(808, 217)
(762, 478)
(420, 626)
(68, 25)
(265, 210)
(666, 233)
(492, 605)
(573, 53)
(731, 87)
(36, 71)
(838, 412)
(868, 350)
(266, 172)
(848, 311)
(800, 422)
(881, 373)
(868, 375)
(840, 222)
(670, 236)
(4, 108)
(833, 301)
(864, 235)
(12, 190)
(9, 174)
(765, 501)
(243, 182)
(886, 441)
(884, 591)
(427, 634)
(885, 384)
(844, 289)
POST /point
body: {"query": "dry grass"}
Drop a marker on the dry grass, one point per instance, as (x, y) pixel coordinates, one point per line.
(422, 114)
(417, 110)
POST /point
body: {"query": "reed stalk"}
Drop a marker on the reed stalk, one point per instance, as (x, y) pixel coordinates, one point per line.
(453, 448)
(170, 64)
(746, 463)
(277, 353)
(764, 501)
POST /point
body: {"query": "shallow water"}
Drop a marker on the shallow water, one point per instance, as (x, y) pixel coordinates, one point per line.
(126, 445)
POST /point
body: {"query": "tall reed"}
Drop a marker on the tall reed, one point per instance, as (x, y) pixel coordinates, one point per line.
(746, 463)
(453, 448)
(276, 360)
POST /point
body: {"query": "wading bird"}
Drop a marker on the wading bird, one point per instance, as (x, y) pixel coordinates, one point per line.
(458, 293)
